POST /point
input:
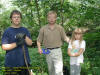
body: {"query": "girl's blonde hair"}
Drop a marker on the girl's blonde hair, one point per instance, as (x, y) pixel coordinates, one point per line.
(77, 31)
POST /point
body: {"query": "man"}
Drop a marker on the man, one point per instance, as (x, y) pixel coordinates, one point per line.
(52, 37)
(12, 41)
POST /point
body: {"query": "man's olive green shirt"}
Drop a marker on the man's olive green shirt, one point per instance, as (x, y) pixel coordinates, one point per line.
(52, 38)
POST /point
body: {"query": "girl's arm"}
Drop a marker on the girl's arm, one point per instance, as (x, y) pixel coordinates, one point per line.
(79, 52)
(82, 48)
(69, 52)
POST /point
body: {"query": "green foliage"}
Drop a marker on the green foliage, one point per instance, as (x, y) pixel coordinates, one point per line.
(38, 62)
(79, 13)
(4, 22)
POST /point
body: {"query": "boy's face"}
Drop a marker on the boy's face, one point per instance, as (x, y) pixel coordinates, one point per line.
(16, 19)
(51, 18)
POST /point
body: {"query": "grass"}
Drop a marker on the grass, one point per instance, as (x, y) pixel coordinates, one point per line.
(39, 65)
(2, 55)
(40, 74)
(38, 62)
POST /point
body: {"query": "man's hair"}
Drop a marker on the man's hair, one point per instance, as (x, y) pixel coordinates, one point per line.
(15, 12)
(52, 12)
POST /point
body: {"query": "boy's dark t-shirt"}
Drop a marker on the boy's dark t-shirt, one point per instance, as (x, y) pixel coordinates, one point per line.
(15, 57)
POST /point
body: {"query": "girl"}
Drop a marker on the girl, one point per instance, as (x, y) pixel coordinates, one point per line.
(75, 51)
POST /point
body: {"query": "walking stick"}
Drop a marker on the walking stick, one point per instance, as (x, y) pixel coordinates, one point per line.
(26, 60)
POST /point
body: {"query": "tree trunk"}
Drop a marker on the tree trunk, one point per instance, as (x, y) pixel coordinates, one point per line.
(62, 18)
(37, 7)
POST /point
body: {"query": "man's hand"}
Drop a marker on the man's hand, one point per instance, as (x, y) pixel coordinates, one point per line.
(67, 39)
(40, 51)
(39, 47)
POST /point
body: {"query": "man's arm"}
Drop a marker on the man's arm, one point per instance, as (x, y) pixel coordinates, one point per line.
(39, 47)
(9, 46)
(39, 40)
(63, 35)
(28, 41)
(67, 39)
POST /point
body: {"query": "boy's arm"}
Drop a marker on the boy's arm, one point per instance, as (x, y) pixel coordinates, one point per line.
(28, 41)
(8, 46)
(5, 42)
(28, 38)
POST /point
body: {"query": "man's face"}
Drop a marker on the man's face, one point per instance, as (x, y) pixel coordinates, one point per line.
(16, 19)
(51, 18)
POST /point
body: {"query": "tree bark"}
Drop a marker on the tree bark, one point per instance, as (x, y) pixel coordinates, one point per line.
(37, 7)
(62, 18)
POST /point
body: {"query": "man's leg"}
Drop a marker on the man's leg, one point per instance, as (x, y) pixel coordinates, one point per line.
(50, 64)
(58, 61)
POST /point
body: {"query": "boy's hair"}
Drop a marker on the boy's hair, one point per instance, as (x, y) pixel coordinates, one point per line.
(15, 12)
(77, 31)
(52, 12)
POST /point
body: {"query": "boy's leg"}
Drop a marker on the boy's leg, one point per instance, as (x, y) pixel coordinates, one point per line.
(23, 70)
(50, 64)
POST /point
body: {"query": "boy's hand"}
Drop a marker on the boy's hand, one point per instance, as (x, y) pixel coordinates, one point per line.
(20, 42)
(20, 39)
(20, 36)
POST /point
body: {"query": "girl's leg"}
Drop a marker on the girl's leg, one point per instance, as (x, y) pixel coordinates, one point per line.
(72, 69)
(77, 70)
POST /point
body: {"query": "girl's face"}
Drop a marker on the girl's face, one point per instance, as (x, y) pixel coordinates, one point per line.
(78, 36)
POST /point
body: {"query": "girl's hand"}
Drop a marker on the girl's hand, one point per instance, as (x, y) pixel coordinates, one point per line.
(72, 55)
(76, 54)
